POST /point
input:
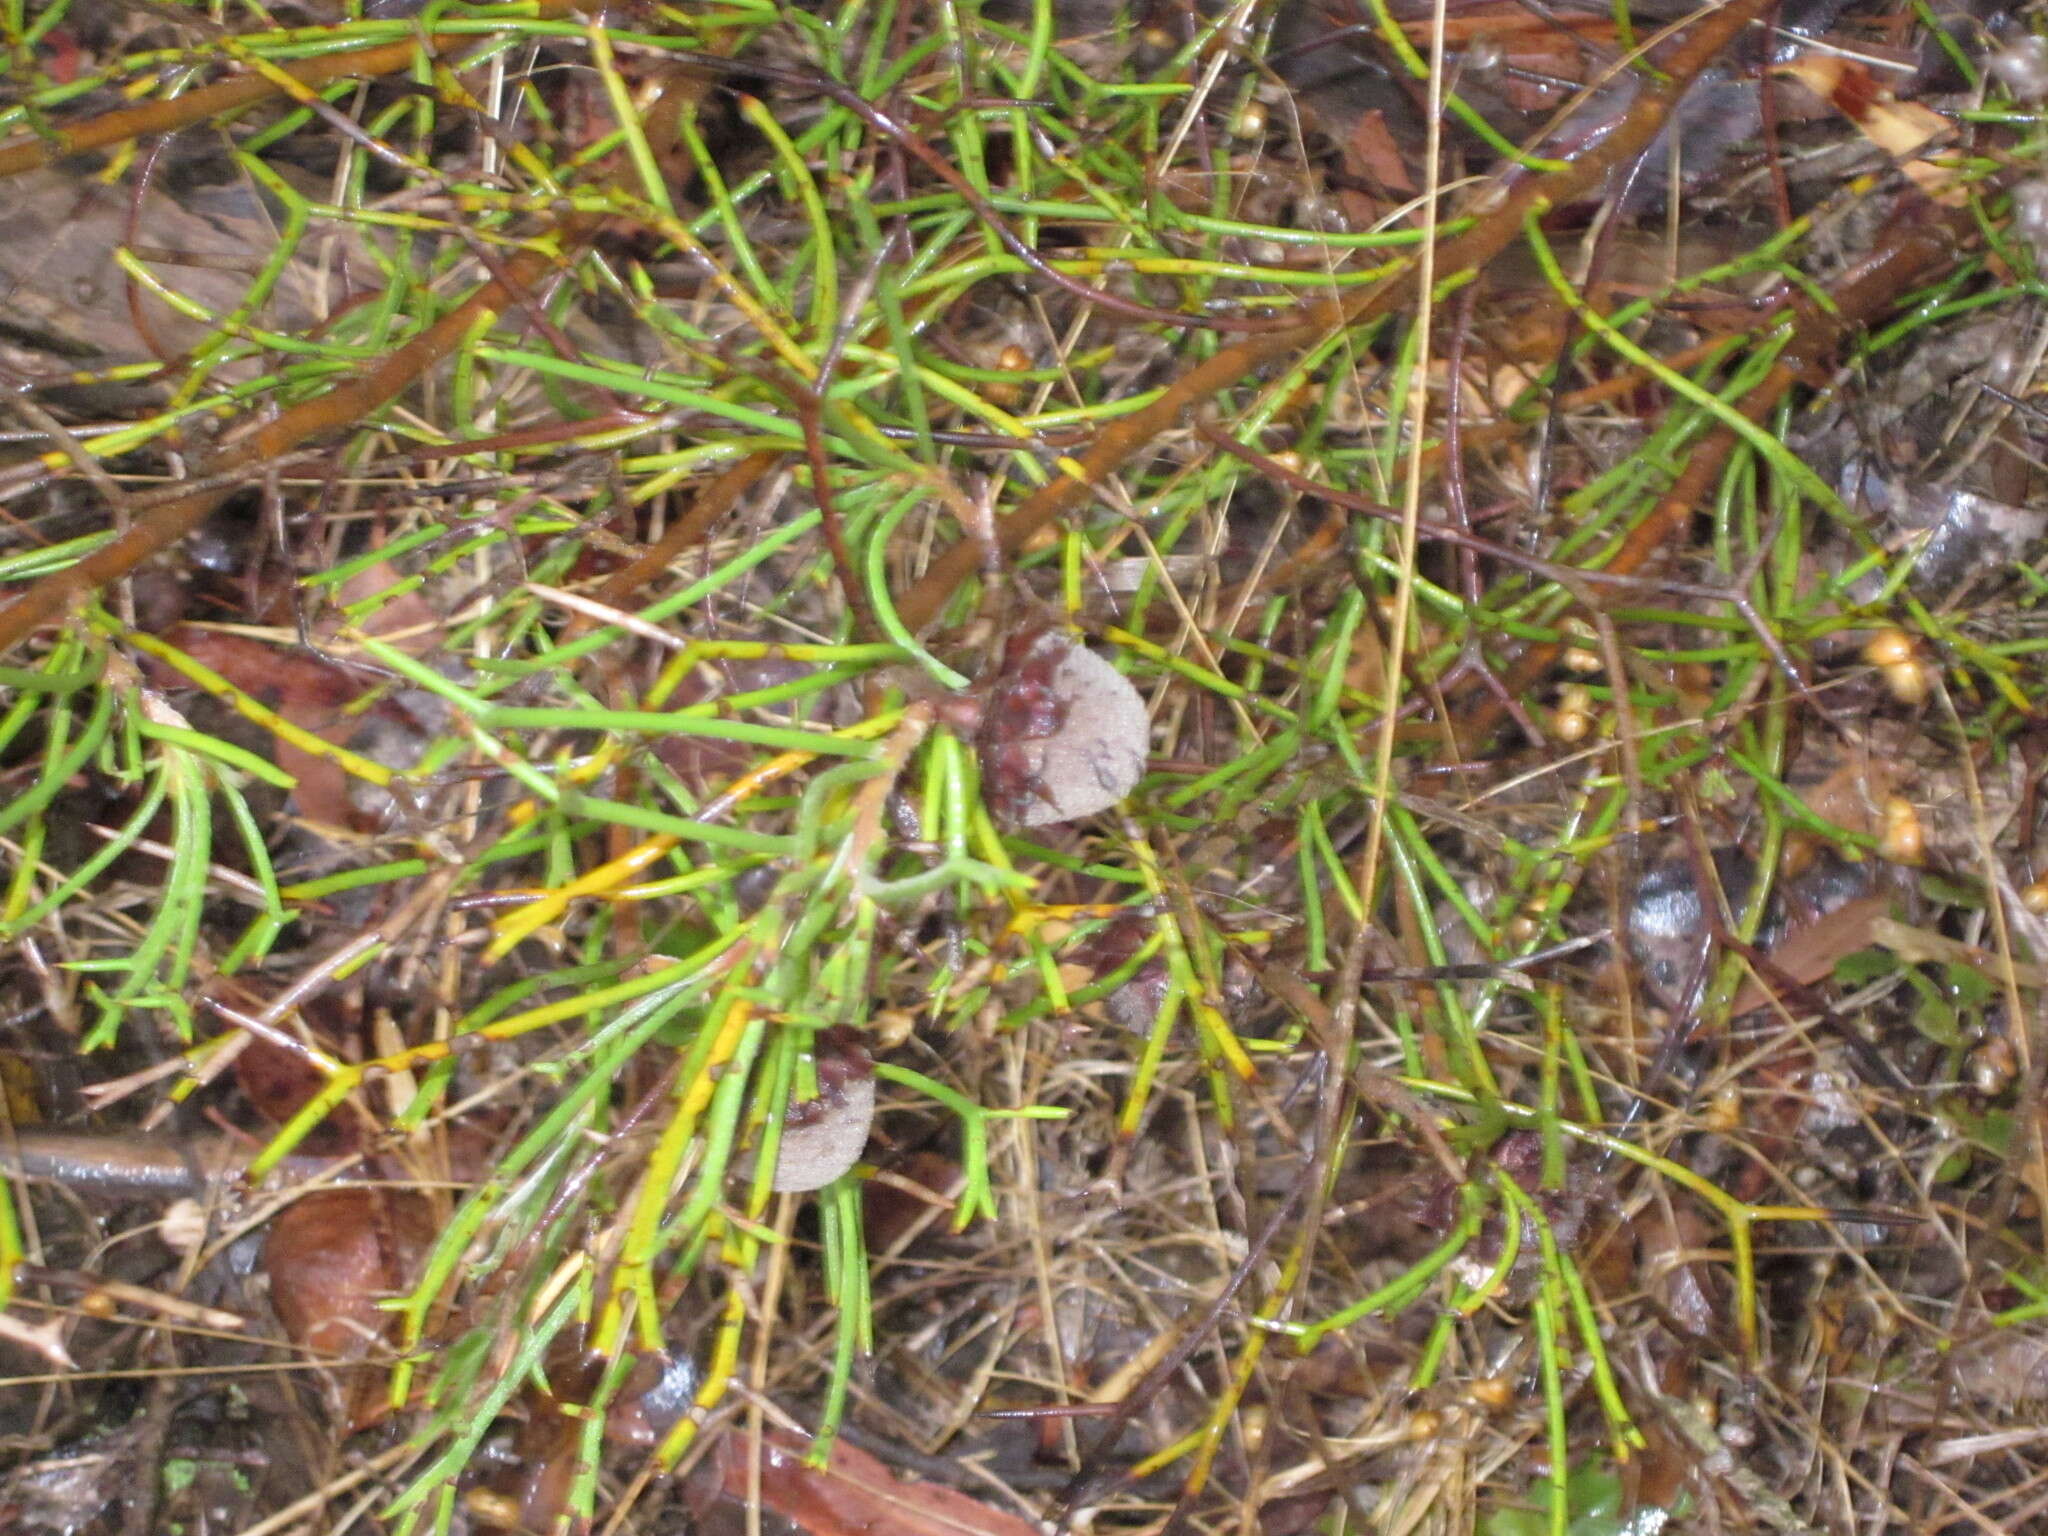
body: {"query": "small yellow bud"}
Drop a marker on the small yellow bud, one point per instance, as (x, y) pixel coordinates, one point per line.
(1492, 1393)
(1889, 647)
(1907, 682)
(1904, 841)
(1724, 1110)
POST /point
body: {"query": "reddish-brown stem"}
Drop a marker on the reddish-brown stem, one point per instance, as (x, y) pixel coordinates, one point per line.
(810, 415)
(1767, 100)
(947, 172)
(1320, 543)
(340, 407)
(138, 313)
(1914, 254)
(209, 101)
(536, 314)
(1581, 583)
(1513, 198)
(712, 503)
(1471, 660)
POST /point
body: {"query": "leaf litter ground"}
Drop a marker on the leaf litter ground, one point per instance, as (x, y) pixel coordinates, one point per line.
(840, 768)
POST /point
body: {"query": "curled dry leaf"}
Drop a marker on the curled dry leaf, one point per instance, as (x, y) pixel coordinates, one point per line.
(1810, 952)
(317, 696)
(1136, 1002)
(2010, 1367)
(331, 1257)
(62, 292)
(1669, 1242)
(823, 1137)
(1064, 734)
(1816, 918)
(856, 1495)
(45, 1339)
(1923, 946)
(1900, 128)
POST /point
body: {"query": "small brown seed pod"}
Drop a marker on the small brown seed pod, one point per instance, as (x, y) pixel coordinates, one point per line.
(1904, 840)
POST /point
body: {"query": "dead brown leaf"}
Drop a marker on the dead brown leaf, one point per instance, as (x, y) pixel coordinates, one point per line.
(856, 1495)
